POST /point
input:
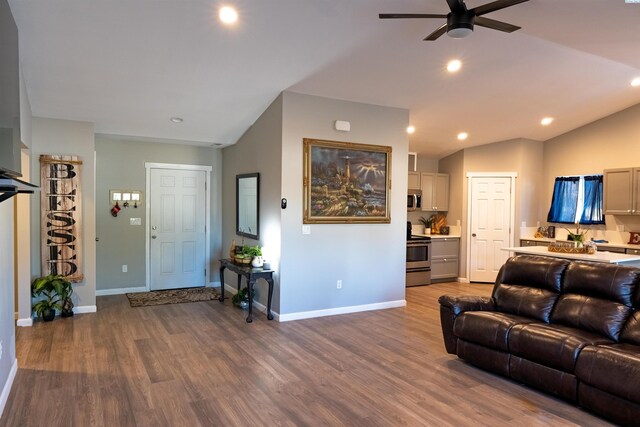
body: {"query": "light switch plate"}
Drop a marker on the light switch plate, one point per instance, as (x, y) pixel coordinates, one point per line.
(306, 229)
(135, 221)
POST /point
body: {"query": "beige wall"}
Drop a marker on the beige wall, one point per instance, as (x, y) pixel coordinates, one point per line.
(611, 142)
(522, 156)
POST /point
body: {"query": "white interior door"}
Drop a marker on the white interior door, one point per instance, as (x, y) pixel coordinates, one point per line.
(490, 226)
(177, 229)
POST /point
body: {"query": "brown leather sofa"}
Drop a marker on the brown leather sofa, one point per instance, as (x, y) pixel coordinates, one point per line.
(569, 328)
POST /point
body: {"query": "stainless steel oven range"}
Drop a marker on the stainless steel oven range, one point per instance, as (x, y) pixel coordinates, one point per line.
(418, 261)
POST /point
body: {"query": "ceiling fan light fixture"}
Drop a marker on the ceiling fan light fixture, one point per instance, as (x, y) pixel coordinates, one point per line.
(460, 32)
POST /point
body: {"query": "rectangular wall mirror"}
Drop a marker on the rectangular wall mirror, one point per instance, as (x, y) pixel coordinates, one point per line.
(247, 205)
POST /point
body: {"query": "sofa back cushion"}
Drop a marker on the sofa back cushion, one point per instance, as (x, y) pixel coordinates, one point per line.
(631, 331)
(597, 297)
(529, 286)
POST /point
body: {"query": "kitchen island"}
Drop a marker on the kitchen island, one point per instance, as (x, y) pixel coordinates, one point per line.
(606, 257)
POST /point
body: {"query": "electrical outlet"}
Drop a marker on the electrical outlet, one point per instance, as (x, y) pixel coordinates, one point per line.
(125, 267)
(339, 284)
(306, 229)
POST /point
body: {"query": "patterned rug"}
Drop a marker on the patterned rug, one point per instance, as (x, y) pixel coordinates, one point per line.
(173, 296)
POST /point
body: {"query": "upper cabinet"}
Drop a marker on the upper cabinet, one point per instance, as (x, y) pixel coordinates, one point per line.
(622, 191)
(414, 181)
(435, 191)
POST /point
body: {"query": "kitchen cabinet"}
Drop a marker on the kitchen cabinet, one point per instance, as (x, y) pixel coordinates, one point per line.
(633, 251)
(414, 181)
(622, 191)
(435, 191)
(445, 258)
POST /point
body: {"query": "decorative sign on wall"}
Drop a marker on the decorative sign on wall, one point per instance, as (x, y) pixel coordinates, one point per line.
(61, 216)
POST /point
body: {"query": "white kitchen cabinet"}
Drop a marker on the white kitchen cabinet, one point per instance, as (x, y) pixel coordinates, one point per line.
(435, 191)
(414, 181)
(622, 191)
(445, 258)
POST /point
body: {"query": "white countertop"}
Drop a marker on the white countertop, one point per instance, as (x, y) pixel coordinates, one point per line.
(438, 236)
(607, 257)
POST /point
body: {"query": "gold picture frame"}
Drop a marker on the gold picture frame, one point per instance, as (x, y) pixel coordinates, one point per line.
(346, 183)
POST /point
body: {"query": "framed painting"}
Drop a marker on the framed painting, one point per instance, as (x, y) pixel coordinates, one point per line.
(346, 183)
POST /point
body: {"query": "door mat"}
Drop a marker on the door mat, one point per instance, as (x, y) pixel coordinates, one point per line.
(173, 296)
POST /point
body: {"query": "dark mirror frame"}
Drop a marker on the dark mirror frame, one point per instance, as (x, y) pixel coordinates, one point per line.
(239, 232)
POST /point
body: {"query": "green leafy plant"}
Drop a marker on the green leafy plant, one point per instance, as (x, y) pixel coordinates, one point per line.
(578, 236)
(426, 221)
(252, 251)
(48, 287)
(242, 295)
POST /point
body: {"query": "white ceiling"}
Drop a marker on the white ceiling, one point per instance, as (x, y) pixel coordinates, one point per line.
(130, 65)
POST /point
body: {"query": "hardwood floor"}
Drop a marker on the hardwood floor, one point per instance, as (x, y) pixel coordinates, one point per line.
(200, 364)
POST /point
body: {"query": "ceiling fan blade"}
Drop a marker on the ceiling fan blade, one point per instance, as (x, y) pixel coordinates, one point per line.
(457, 5)
(495, 25)
(436, 34)
(409, 15)
(496, 5)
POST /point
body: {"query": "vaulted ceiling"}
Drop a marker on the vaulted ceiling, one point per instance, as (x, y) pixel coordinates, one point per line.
(128, 66)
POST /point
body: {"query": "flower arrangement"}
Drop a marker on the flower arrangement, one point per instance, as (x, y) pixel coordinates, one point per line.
(578, 236)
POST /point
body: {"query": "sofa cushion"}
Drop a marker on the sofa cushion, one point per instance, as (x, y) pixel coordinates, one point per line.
(555, 346)
(613, 368)
(529, 286)
(631, 331)
(604, 281)
(487, 328)
(591, 314)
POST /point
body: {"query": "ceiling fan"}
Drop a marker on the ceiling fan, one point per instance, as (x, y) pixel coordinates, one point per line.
(460, 20)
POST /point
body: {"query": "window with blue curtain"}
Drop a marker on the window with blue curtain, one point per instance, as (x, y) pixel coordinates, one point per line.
(564, 203)
(577, 199)
(593, 210)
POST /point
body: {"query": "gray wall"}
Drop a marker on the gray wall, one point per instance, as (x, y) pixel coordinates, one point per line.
(368, 258)
(120, 164)
(525, 157)
(65, 137)
(611, 142)
(258, 150)
(7, 328)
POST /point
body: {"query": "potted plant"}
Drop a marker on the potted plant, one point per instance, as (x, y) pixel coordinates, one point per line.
(64, 289)
(241, 299)
(427, 222)
(44, 286)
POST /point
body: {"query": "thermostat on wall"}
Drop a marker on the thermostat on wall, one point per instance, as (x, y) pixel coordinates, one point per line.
(343, 125)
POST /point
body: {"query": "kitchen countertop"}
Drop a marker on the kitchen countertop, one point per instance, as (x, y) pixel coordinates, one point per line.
(606, 257)
(438, 236)
(603, 245)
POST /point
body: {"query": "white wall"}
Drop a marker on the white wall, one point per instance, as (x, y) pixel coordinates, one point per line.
(8, 363)
(65, 137)
(368, 258)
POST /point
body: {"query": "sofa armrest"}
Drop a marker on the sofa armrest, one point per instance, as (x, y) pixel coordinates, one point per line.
(460, 304)
(451, 307)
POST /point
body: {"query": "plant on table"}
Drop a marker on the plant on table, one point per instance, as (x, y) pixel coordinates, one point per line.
(578, 236)
(241, 297)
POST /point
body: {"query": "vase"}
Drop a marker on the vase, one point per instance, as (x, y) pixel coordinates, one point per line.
(257, 261)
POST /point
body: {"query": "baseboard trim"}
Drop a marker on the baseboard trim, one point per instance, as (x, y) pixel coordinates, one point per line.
(6, 390)
(85, 309)
(214, 285)
(119, 291)
(463, 280)
(256, 305)
(341, 310)
(25, 322)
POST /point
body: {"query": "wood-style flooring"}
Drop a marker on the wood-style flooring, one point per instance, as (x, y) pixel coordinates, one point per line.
(201, 364)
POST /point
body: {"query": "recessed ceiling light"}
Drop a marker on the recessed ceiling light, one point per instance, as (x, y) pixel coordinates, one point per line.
(635, 82)
(411, 129)
(462, 136)
(454, 65)
(546, 121)
(177, 119)
(228, 15)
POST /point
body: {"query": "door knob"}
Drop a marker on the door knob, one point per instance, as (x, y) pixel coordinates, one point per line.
(153, 237)
(473, 235)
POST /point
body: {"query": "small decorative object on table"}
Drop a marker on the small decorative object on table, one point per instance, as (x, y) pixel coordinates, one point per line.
(567, 248)
(444, 230)
(427, 224)
(578, 236)
(634, 238)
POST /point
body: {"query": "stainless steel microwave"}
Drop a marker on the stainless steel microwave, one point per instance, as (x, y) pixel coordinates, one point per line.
(414, 200)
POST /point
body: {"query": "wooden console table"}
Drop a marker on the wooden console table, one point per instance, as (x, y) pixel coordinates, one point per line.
(251, 275)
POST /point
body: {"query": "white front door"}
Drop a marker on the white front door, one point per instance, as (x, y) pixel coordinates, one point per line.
(177, 229)
(490, 226)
